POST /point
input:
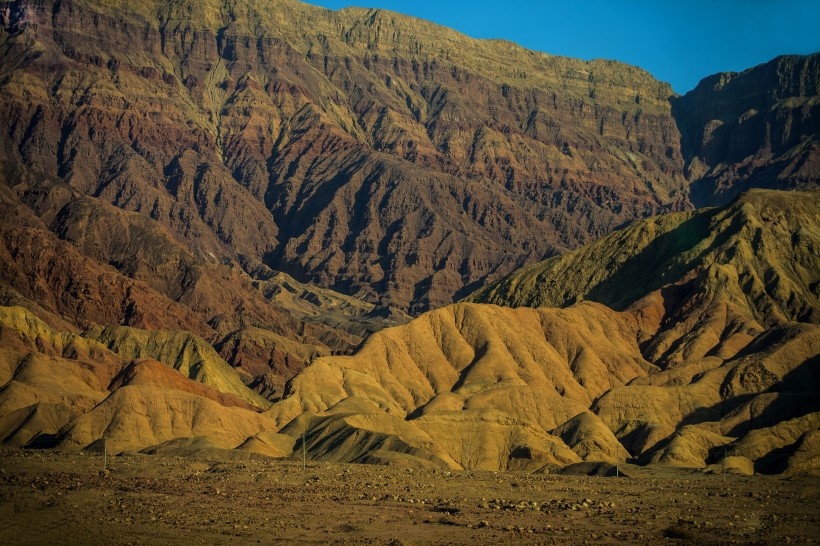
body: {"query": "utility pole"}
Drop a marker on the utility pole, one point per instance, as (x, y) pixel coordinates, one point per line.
(725, 450)
(105, 454)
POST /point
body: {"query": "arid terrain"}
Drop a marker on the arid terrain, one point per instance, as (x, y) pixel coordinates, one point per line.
(51, 497)
(237, 232)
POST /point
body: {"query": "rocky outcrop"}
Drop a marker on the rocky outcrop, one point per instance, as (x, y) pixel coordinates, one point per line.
(757, 128)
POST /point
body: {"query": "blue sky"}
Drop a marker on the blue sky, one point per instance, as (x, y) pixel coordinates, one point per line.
(678, 41)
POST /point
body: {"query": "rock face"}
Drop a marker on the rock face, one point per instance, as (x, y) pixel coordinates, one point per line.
(756, 128)
(365, 151)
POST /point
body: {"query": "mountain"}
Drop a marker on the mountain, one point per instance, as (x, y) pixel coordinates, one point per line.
(675, 341)
(706, 344)
(753, 129)
(205, 197)
(367, 152)
(761, 248)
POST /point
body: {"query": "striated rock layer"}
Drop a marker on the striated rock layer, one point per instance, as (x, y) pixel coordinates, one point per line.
(754, 129)
(172, 173)
(362, 150)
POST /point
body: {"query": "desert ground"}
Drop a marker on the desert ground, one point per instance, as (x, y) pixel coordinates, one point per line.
(49, 497)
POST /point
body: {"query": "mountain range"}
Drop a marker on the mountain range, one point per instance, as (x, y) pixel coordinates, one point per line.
(236, 189)
(705, 343)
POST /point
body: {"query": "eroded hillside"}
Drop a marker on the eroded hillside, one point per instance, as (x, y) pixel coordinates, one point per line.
(709, 347)
(364, 151)
(708, 343)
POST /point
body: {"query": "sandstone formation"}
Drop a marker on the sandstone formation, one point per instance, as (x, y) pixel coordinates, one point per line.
(181, 351)
(364, 151)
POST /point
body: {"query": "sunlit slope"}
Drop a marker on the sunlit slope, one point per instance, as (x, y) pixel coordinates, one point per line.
(64, 389)
(190, 355)
(715, 336)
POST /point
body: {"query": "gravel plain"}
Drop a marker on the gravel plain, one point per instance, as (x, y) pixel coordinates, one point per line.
(49, 497)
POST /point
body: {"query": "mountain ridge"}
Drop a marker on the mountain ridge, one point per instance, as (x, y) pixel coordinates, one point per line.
(382, 130)
(372, 153)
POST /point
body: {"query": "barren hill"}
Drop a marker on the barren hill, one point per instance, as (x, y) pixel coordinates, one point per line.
(764, 245)
(64, 388)
(712, 347)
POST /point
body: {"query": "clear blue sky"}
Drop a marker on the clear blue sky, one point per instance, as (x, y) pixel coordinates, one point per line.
(678, 41)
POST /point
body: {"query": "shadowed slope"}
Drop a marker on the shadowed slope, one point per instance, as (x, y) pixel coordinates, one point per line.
(765, 244)
(97, 264)
(753, 129)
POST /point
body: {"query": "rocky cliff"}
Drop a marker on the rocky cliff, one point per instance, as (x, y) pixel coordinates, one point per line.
(279, 181)
(757, 128)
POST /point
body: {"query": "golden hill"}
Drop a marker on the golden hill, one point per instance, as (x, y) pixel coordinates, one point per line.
(715, 341)
(190, 355)
(72, 390)
(710, 350)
